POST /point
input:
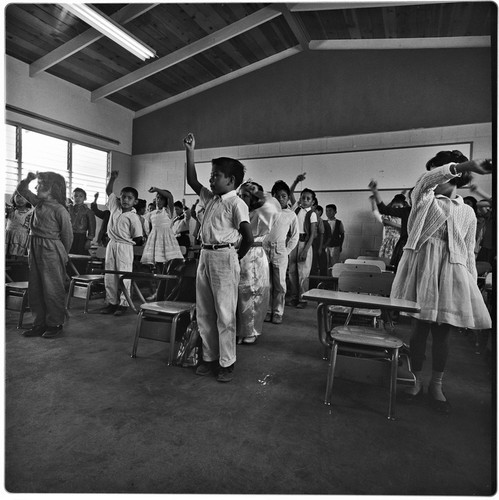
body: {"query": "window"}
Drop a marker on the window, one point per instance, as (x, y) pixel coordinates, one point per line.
(29, 151)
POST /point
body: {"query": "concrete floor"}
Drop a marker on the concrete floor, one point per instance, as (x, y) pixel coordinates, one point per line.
(83, 417)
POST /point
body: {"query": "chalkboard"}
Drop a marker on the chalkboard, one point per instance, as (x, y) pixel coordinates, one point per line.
(396, 168)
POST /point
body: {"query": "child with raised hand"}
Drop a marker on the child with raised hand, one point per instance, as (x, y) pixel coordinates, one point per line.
(125, 231)
(278, 244)
(161, 245)
(102, 237)
(226, 218)
(254, 284)
(437, 269)
(51, 237)
(18, 217)
(83, 223)
(300, 259)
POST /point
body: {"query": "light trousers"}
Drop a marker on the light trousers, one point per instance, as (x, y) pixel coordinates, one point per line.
(217, 283)
(299, 270)
(119, 257)
(333, 257)
(278, 263)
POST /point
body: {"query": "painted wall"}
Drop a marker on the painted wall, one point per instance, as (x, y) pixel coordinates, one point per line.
(58, 100)
(329, 94)
(363, 232)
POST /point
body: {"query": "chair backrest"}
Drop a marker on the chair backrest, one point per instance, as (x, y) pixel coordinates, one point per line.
(340, 268)
(367, 283)
(183, 290)
(381, 264)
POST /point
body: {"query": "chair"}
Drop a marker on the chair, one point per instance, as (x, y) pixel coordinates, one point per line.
(84, 286)
(380, 263)
(16, 299)
(359, 280)
(167, 320)
(361, 343)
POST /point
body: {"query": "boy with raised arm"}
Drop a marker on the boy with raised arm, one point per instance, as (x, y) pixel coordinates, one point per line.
(226, 218)
(125, 231)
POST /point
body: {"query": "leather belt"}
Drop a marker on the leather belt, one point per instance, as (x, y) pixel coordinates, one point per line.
(256, 244)
(217, 246)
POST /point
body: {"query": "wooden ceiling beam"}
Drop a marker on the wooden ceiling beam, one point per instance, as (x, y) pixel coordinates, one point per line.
(450, 42)
(317, 6)
(219, 81)
(249, 22)
(123, 16)
(298, 30)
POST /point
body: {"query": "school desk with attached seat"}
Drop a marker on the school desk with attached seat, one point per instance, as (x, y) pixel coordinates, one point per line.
(373, 343)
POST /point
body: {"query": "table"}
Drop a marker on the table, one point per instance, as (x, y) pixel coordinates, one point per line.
(325, 298)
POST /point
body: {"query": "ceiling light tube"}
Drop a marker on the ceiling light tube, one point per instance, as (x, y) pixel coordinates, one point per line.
(111, 29)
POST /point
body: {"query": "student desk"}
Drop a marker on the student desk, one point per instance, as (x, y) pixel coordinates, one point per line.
(355, 336)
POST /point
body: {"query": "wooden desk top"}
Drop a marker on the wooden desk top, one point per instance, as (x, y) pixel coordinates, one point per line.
(360, 300)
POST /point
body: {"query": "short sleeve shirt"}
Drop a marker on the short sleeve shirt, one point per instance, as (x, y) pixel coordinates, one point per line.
(122, 226)
(222, 217)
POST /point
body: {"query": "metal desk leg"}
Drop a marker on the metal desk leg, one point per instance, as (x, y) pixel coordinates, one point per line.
(173, 334)
(330, 373)
(137, 333)
(393, 383)
(70, 292)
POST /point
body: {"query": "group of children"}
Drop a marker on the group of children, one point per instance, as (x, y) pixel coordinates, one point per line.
(250, 241)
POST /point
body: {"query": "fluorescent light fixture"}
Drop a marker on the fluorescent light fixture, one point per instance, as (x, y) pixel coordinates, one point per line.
(111, 29)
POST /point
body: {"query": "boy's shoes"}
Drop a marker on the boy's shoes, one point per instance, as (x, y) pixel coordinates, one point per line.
(52, 331)
(249, 340)
(301, 304)
(35, 331)
(120, 311)
(225, 373)
(109, 309)
(268, 318)
(207, 368)
(292, 302)
(277, 319)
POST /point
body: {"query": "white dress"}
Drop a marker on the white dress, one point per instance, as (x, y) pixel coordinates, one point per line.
(446, 290)
(161, 244)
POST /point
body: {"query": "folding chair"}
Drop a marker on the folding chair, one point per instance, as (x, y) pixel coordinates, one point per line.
(16, 299)
(167, 320)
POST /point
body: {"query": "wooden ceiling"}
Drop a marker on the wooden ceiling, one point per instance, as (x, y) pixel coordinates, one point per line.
(200, 45)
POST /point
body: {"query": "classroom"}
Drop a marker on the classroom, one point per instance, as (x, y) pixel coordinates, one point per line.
(359, 109)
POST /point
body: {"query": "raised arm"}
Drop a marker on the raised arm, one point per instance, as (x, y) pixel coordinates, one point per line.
(165, 194)
(299, 178)
(110, 184)
(192, 178)
(24, 191)
(373, 186)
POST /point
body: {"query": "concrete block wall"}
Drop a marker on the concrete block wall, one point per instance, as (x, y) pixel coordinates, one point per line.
(363, 231)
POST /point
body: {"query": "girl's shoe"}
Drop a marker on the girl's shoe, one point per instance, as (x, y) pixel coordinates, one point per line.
(442, 407)
(407, 397)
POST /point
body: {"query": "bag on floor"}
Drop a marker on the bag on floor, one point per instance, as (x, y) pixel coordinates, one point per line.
(189, 351)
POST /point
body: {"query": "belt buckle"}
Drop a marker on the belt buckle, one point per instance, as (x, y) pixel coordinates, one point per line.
(216, 246)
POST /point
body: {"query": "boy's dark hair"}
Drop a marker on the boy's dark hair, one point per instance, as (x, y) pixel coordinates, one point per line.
(333, 206)
(140, 204)
(230, 167)
(179, 204)
(130, 190)
(455, 156)
(308, 190)
(57, 185)
(472, 200)
(318, 208)
(280, 186)
(80, 190)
